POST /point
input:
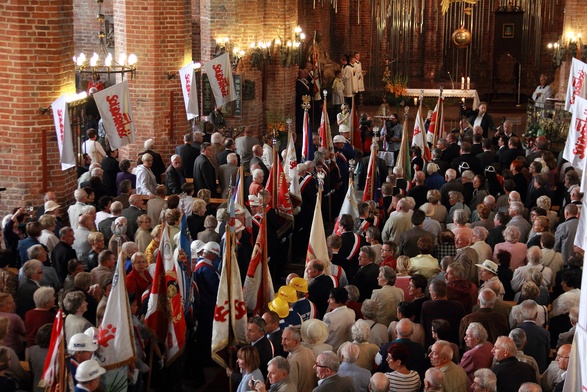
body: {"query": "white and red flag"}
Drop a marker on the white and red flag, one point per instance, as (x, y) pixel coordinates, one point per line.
(576, 146)
(577, 86)
(258, 287)
(116, 346)
(307, 144)
(116, 112)
(189, 88)
(349, 206)
(53, 370)
(63, 130)
(219, 74)
(324, 131)
(291, 169)
(165, 315)
(436, 127)
(419, 139)
(283, 204)
(230, 313)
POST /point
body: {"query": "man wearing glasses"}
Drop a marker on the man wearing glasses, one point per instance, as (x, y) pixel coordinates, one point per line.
(562, 358)
(326, 368)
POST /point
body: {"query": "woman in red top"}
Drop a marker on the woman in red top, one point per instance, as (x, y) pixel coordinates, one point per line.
(95, 82)
(43, 313)
(138, 280)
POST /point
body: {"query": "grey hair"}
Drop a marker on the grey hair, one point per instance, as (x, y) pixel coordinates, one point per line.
(296, 334)
(518, 335)
(480, 233)
(487, 379)
(330, 360)
(446, 348)
(529, 309)
(360, 331)
(349, 352)
(435, 378)
(30, 267)
(73, 300)
(353, 292)
(388, 274)
(35, 251)
(368, 251)
(511, 234)
(459, 196)
(43, 295)
(478, 331)
(258, 173)
(280, 363)
(369, 309)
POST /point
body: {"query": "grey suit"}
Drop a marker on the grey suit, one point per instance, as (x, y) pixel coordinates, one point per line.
(131, 214)
(226, 173)
(565, 236)
(244, 148)
(335, 383)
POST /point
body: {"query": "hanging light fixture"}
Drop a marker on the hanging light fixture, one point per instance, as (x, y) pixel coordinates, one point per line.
(102, 61)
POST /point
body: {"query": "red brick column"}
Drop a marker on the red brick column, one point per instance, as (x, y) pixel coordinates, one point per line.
(36, 69)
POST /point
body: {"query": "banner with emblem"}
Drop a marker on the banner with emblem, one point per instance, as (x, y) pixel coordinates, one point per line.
(187, 76)
(419, 138)
(63, 130)
(577, 86)
(116, 112)
(576, 145)
(220, 75)
(230, 313)
(349, 206)
(258, 286)
(116, 345)
(291, 169)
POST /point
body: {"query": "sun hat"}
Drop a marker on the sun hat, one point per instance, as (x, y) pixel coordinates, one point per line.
(489, 266)
(314, 331)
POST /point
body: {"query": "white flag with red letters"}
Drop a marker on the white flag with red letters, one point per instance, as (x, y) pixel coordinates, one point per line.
(116, 112)
(220, 75)
(576, 145)
(577, 86)
(190, 92)
(63, 130)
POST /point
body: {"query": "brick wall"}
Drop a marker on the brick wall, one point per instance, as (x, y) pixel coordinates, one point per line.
(575, 21)
(37, 69)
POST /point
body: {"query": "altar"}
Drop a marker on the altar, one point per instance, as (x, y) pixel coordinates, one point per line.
(431, 95)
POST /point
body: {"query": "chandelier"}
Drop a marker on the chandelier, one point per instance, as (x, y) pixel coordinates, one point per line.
(102, 60)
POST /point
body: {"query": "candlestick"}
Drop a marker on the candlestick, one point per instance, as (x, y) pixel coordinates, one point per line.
(416, 101)
(462, 83)
(468, 83)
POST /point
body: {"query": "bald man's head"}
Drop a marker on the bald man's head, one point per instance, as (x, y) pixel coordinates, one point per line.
(379, 383)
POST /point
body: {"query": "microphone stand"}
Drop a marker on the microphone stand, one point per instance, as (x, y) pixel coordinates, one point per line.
(451, 81)
(519, 78)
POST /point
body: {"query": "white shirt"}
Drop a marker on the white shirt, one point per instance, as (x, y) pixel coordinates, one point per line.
(545, 92)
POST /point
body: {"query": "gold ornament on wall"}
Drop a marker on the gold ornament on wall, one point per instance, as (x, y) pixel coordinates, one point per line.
(446, 3)
(461, 37)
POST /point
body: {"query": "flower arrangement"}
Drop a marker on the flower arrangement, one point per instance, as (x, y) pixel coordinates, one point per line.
(552, 123)
(281, 129)
(394, 86)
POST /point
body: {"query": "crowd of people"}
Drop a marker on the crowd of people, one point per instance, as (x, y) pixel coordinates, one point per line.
(462, 277)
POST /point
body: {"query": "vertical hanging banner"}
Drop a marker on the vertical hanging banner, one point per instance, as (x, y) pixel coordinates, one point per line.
(116, 112)
(190, 92)
(576, 145)
(219, 73)
(577, 86)
(63, 130)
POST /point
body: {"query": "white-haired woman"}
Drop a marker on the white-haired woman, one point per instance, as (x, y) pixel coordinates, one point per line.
(75, 306)
(479, 354)
(257, 184)
(483, 249)
(379, 334)
(518, 250)
(360, 332)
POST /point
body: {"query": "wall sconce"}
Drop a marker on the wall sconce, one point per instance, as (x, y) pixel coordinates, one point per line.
(222, 45)
(261, 53)
(237, 55)
(569, 44)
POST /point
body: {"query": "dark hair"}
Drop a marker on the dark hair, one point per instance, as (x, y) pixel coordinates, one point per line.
(346, 221)
(104, 201)
(43, 338)
(124, 165)
(418, 217)
(547, 239)
(442, 328)
(72, 265)
(504, 258)
(398, 351)
(425, 245)
(406, 308)
(339, 294)
(172, 202)
(419, 281)
(572, 278)
(6, 258)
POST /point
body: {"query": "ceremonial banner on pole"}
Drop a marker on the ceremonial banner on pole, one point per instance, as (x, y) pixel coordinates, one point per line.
(258, 287)
(184, 262)
(576, 378)
(230, 314)
(116, 112)
(219, 73)
(115, 336)
(419, 139)
(291, 169)
(54, 368)
(403, 157)
(165, 315)
(189, 87)
(436, 127)
(325, 133)
(577, 86)
(307, 145)
(317, 247)
(63, 130)
(349, 206)
(576, 145)
(283, 204)
(355, 127)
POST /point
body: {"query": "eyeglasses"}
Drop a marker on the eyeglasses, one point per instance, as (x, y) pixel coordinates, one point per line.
(561, 357)
(320, 366)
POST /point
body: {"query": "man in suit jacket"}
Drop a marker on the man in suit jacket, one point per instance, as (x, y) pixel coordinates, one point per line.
(326, 368)
(158, 167)
(174, 177)
(408, 240)
(244, 147)
(439, 307)
(188, 155)
(480, 117)
(204, 172)
(537, 338)
(105, 227)
(487, 157)
(366, 277)
(274, 333)
(319, 288)
(228, 149)
(466, 156)
(227, 174)
(132, 214)
(566, 231)
(258, 159)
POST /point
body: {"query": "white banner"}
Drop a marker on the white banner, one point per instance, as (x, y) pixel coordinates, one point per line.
(577, 86)
(63, 130)
(576, 145)
(581, 234)
(220, 75)
(576, 378)
(115, 336)
(190, 92)
(116, 112)
(290, 167)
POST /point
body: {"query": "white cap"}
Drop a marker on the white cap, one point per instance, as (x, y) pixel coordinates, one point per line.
(339, 139)
(238, 209)
(254, 201)
(195, 247)
(212, 247)
(89, 370)
(82, 342)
